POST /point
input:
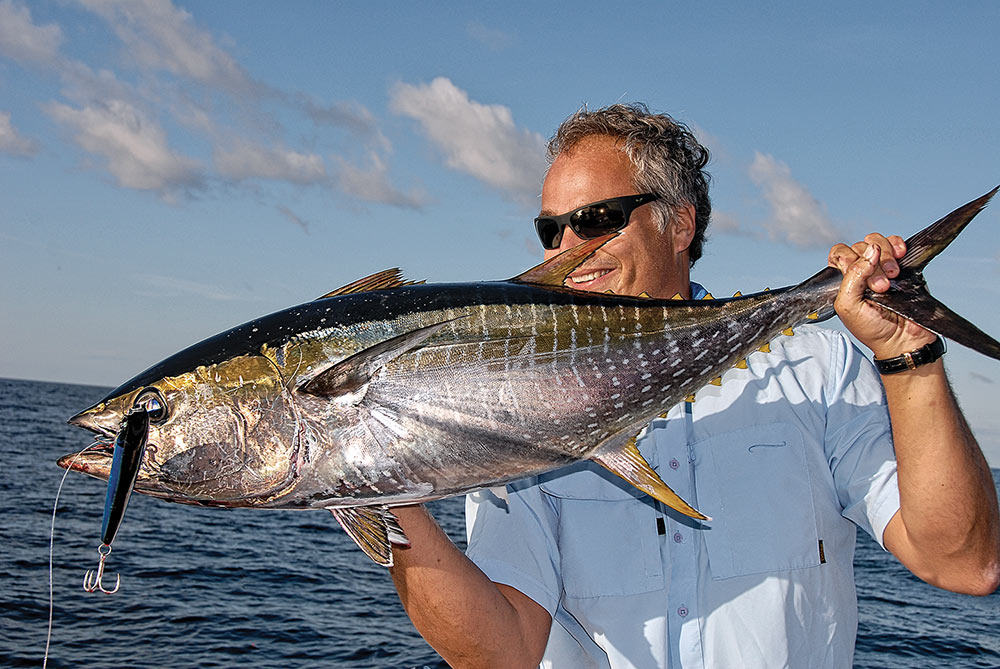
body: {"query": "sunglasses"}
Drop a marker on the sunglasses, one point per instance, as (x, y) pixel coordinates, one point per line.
(591, 220)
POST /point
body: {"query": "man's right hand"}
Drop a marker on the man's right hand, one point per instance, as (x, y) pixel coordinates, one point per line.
(467, 618)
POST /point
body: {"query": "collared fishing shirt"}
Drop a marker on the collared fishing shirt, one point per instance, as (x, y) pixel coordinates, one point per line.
(788, 457)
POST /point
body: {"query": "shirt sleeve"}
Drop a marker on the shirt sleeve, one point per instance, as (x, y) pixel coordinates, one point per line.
(858, 440)
(513, 541)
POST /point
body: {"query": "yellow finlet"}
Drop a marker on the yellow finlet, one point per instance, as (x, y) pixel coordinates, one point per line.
(677, 296)
(742, 364)
(788, 332)
(609, 292)
(644, 294)
(664, 414)
(767, 289)
(737, 294)
(766, 348)
(708, 296)
(717, 381)
(384, 280)
(813, 316)
(689, 398)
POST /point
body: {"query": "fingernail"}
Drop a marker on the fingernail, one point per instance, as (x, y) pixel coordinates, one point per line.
(871, 252)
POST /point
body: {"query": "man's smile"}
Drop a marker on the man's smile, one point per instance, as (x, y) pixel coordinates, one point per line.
(589, 277)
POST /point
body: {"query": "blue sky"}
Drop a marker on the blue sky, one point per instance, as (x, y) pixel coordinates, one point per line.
(171, 169)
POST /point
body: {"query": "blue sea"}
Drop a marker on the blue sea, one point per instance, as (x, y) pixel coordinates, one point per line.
(252, 588)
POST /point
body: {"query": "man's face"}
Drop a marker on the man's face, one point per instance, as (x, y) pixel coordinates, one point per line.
(641, 258)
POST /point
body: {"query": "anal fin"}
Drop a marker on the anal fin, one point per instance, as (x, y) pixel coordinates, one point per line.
(629, 464)
(374, 529)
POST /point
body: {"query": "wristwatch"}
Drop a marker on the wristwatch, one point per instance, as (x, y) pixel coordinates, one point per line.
(913, 359)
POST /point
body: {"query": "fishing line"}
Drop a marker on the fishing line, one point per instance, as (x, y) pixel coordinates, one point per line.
(52, 535)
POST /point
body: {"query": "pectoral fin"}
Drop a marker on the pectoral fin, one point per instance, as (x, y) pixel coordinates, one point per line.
(374, 529)
(629, 464)
(350, 374)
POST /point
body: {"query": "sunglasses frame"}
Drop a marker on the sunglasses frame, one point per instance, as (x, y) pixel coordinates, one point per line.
(628, 204)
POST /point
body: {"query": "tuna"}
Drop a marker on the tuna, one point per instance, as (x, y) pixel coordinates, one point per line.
(387, 392)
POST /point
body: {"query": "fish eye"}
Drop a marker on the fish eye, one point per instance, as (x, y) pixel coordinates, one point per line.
(152, 401)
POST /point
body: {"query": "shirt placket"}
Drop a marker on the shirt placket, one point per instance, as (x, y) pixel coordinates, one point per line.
(680, 543)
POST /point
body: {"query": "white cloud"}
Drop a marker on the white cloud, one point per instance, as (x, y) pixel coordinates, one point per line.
(725, 222)
(492, 38)
(480, 140)
(796, 216)
(160, 36)
(244, 160)
(11, 142)
(22, 40)
(177, 72)
(373, 184)
(350, 115)
(134, 147)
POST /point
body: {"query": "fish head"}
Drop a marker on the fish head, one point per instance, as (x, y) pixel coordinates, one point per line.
(220, 434)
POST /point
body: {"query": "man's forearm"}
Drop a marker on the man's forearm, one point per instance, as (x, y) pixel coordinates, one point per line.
(468, 619)
(947, 530)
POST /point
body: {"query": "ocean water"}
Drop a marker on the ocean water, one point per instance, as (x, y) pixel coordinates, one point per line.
(252, 588)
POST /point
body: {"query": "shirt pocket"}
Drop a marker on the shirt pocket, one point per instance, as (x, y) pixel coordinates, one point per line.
(756, 485)
(607, 534)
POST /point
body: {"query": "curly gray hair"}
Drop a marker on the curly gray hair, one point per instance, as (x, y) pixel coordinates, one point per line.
(668, 159)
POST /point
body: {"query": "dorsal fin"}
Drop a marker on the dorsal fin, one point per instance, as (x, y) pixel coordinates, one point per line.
(553, 272)
(387, 278)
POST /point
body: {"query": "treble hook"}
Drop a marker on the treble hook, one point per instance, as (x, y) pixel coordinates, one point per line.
(92, 582)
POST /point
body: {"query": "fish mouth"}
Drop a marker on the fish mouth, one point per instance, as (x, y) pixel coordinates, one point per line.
(99, 420)
(95, 460)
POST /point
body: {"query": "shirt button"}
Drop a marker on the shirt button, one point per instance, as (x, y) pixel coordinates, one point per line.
(674, 464)
(678, 537)
(682, 612)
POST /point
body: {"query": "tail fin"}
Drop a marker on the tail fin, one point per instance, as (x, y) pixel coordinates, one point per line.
(923, 246)
(909, 297)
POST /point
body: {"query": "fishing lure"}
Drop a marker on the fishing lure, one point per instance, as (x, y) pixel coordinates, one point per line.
(130, 444)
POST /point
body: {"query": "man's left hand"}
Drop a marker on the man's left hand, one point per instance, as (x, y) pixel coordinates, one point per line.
(871, 264)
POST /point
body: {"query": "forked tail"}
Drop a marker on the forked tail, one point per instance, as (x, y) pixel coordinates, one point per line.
(909, 297)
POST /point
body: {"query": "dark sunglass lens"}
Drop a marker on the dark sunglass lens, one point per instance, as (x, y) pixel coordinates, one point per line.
(549, 232)
(598, 219)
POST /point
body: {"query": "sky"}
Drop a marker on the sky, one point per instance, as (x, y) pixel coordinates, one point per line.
(171, 169)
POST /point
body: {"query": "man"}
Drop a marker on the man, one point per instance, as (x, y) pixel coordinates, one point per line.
(788, 455)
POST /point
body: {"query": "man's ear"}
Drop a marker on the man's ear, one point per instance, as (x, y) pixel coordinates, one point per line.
(682, 228)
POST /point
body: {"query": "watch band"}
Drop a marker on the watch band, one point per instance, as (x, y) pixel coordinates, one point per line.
(913, 359)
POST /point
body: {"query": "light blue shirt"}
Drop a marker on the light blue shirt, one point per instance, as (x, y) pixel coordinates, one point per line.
(786, 456)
